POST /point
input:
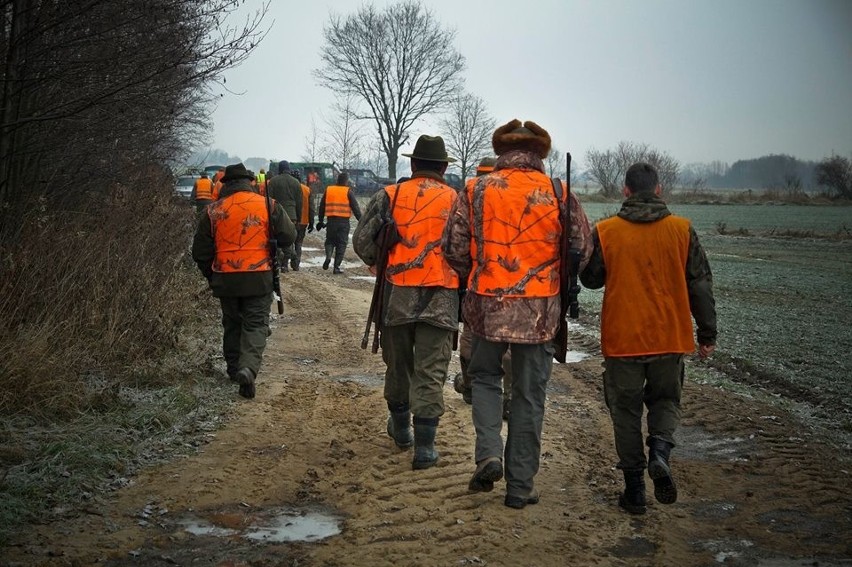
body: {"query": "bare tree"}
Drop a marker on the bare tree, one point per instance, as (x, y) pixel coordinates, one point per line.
(343, 133)
(467, 130)
(835, 172)
(608, 167)
(313, 144)
(399, 61)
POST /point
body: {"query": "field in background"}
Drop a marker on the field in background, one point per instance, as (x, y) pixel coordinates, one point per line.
(784, 304)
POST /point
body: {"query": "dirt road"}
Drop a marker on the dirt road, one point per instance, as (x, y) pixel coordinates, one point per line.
(309, 458)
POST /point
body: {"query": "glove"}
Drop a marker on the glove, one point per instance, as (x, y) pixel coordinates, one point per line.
(310, 228)
(320, 225)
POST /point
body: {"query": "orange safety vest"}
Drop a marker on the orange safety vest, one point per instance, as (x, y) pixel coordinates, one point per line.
(240, 227)
(306, 204)
(337, 201)
(646, 301)
(515, 238)
(203, 189)
(420, 211)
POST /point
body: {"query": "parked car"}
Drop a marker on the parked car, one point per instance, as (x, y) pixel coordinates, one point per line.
(365, 182)
(184, 185)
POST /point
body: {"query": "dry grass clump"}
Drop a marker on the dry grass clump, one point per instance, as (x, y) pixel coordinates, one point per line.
(92, 291)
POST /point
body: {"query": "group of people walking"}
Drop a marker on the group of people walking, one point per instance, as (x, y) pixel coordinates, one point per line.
(490, 256)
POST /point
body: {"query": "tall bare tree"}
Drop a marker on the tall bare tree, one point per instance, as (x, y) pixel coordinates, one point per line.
(399, 61)
(608, 167)
(344, 133)
(467, 129)
(313, 144)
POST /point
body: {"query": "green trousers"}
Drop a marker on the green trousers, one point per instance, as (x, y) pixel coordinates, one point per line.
(245, 325)
(417, 357)
(630, 386)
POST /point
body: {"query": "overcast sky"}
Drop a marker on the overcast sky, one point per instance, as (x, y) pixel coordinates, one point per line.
(700, 79)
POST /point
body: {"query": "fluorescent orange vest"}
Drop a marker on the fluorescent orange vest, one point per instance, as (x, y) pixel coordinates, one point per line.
(420, 212)
(646, 301)
(306, 203)
(240, 226)
(337, 201)
(203, 189)
(217, 186)
(516, 229)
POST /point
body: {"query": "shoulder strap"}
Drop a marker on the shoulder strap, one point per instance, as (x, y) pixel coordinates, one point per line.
(557, 188)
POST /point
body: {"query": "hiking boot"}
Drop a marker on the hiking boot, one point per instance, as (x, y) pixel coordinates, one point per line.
(326, 264)
(488, 471)
(519, 501)
(665, 490)
(245, 378)
(337, 270)
(633, 497)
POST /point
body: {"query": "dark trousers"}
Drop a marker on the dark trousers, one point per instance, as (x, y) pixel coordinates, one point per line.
(245, 325)
(301, 229)
(336, 238)
(632, 384)
(531, 368)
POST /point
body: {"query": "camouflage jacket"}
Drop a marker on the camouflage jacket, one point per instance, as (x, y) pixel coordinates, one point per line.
(437, 306)
(699, 279)
(528, 320)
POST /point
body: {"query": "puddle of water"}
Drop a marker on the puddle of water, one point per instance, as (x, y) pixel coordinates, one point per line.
(575, 356)
(295, 526)
(202, 528)
(698, 444)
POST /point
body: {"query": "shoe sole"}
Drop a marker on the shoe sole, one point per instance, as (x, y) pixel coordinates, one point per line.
(484, 480)
(665, 490)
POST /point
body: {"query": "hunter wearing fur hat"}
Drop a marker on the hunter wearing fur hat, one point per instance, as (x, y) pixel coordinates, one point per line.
(231, 248)
(503, 237)
(420, 312)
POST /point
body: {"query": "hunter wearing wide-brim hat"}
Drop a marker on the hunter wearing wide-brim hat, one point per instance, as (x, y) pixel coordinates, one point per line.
(502, 237)
(231, 248)
(420, 313)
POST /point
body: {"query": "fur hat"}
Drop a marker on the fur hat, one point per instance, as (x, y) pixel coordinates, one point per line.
(236, 171)
(529, 137)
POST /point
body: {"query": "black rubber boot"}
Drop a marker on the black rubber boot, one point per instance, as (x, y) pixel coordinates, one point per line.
(659, 470)
(399, 425)
(633, 497)
(425, 455)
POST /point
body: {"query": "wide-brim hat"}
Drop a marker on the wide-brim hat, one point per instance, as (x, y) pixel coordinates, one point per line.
(430, 148)
(486, 165)
(529, 137)
(236, 171)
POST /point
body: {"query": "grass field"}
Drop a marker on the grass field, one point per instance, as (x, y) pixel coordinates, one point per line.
(784, 304)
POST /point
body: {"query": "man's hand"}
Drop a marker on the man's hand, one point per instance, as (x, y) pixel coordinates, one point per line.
(320, 225)
(704, 351)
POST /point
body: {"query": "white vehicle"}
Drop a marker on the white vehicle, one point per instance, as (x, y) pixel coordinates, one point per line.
(184, 184)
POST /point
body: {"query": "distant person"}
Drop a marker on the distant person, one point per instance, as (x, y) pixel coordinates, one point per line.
(461, 382)
(217, 182)
(202, 192)
(420, 313)
(287, 190)
(503, 238)
(305, 223)
(231, 248)
(657, 279)
(338, 203)
(261, 181)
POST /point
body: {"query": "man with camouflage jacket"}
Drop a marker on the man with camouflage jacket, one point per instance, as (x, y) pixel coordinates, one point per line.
(421, 299)
(656, 276)
(503, 237)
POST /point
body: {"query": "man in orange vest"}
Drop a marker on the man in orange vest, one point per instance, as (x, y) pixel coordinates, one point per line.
(338, 203)
(657, 279)
(461, 382)
(305, 222)
(503, 237)
(420, 313)
(231, 248)
(202, 192)
(217, 182)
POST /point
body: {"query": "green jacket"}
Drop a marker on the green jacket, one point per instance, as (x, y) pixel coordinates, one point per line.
(287, 190)
(699, 278)
(237, 284)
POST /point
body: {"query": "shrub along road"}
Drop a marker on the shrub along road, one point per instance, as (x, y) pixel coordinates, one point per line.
(756, 486)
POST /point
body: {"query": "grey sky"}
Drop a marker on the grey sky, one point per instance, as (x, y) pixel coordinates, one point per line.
(700, 79)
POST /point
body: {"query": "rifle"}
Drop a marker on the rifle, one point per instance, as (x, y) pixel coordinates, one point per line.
(273, 251)
(569, 268)
(387, 236)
